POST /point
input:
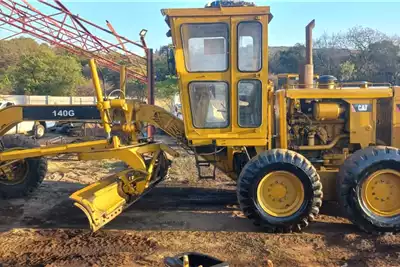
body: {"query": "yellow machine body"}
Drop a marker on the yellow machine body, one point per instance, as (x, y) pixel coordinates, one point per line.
(323, 122)
(286, 145)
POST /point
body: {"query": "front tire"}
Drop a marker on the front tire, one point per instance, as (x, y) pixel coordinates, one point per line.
(24, 176)
(369, 189)
(280, 190)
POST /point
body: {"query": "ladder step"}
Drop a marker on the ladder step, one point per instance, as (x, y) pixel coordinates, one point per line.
(199, 171)
(206, 161)
(200, 162)
(203, 164)
(206, 177)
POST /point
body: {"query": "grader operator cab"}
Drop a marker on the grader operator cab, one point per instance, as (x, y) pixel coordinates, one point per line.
(288, 149)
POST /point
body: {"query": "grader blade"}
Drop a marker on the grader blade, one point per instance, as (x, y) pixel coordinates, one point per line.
(101, 201)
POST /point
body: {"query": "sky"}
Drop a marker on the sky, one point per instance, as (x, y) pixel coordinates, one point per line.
(285, 29)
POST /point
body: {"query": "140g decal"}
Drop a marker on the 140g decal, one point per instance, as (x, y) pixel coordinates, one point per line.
(64, 113)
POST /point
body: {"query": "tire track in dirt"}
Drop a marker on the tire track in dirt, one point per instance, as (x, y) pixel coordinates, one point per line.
(74, 248)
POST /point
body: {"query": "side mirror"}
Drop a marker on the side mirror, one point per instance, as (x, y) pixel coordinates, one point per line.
(171, 61)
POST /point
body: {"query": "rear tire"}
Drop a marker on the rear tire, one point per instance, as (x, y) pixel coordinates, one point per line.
(29, 173)
(371, 203)
(297, 172)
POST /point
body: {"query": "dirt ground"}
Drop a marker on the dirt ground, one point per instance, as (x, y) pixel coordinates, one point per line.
(182, 214)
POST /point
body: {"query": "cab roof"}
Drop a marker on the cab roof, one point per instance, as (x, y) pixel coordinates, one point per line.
(217, 11)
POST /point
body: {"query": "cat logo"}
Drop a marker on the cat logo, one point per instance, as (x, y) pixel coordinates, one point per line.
(361, 107)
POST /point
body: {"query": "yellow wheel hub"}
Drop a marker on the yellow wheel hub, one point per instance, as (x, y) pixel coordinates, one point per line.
(381, 193)
(280, 193)
(14, 171)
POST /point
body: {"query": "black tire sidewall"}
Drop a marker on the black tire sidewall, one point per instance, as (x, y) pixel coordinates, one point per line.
(308, 193)
(274, 160)
(37, 168)
(355, 198)
(353, 174)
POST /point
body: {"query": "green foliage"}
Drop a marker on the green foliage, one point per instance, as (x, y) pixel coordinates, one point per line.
(12, 50)
(166, 83)
(161, 64)
(110, 76)
(289, 60)
(347, 71)
(136, 90)
(385, 57)
(360, 54)
(45, 73)
(168, 88)
(161, 69)
(5, 84)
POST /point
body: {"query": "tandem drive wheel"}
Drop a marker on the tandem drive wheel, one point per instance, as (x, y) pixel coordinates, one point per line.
(280, 190)
(369, 189)
(20, 177)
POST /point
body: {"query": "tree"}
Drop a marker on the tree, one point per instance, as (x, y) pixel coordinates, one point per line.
(347, 71)
(12, 50)
(5, 84)
(45, 73)
(329, 54)
(290, 60)
(161, 63)
(161, 68)
(385, 59)
(137, 90)
(109, 76)
(359, 40)
(167, 89)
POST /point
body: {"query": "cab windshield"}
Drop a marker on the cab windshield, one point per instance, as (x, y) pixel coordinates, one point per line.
(205, 47)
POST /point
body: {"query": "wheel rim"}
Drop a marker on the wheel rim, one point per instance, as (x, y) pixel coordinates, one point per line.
(40, 131)
(280, 193)
(380, 193)
(13, 172)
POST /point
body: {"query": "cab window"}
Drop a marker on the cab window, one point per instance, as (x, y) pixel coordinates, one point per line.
(205, 47)
(249, 46)
(209, 104)
(249, 99)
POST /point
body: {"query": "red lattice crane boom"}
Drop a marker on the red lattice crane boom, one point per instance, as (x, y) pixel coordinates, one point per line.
(61, 28)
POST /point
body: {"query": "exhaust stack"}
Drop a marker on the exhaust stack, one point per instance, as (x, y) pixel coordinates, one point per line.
(307, 72)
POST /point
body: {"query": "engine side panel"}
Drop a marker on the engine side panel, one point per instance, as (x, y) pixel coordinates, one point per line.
(362, 121)
(396, 118)
(384, 121)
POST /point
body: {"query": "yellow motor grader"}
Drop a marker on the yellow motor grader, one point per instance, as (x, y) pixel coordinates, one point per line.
(288, 149)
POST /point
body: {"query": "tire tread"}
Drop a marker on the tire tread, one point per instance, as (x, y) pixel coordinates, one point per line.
(255, 166)
(37, 169)
(350, 175)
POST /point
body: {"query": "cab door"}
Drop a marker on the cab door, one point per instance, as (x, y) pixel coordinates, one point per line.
(222, 64)
(202, 54)
(249, 77)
